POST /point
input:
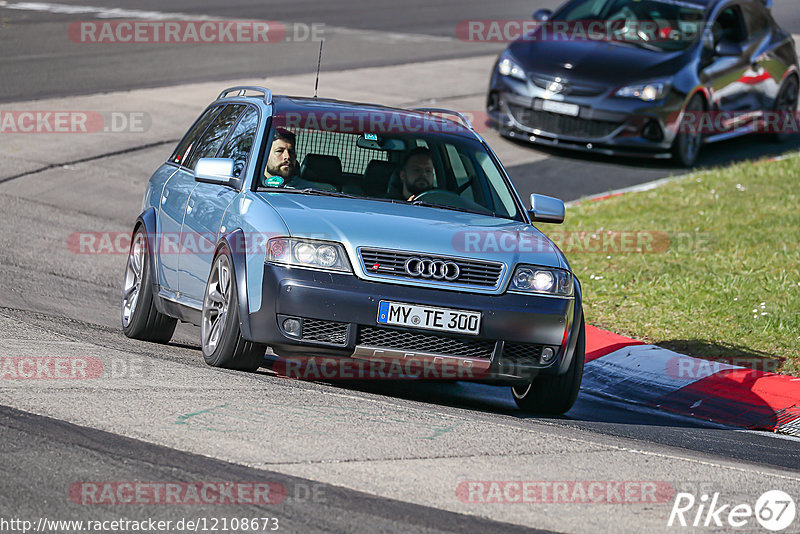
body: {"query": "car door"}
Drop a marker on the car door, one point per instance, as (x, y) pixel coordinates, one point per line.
(172, 204)
(231, 136)
(728, 77)
(766, 79)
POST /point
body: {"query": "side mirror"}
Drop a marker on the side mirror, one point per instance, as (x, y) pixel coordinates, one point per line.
(546, 209)
(726, 48)
(542, 15)
(214, 170)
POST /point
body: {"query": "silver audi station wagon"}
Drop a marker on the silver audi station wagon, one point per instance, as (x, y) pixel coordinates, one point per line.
(354, 232)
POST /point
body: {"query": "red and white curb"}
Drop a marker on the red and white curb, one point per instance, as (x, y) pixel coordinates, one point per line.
(628, 370)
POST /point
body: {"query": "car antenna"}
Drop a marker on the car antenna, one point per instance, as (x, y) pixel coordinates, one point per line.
(319, 62)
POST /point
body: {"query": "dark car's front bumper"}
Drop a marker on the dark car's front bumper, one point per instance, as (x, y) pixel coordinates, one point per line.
(606, 124)
(339, 314)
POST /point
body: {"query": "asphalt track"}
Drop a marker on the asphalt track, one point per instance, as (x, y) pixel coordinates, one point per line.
(387, 457)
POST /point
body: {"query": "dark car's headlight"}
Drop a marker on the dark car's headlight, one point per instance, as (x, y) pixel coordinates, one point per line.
(507, 66)
(543, 280)
(648, 92)
(306, 253)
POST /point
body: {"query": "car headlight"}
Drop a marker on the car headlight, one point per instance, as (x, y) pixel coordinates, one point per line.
(532, 279)
(304, 253)
(508, 67)
(648, 92)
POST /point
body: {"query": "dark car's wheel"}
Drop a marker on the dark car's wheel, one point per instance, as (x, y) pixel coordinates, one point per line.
(140, 318)
(223, 345)
(786, 103)
(687, 144)
(554, 395)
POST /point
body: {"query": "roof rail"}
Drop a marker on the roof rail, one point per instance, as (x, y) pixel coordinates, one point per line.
(464, 120)
(242, 90)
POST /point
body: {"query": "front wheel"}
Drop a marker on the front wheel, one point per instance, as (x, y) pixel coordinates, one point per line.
(140, 318)
(223, 345)
(551, 394)
(689, 139)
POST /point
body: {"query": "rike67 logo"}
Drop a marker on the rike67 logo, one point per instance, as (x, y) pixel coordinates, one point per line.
(774, 510)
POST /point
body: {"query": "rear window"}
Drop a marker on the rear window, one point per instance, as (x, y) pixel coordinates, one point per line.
(342, 145)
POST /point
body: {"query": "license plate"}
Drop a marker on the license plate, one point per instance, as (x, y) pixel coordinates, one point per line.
(429, 317)
(561, 107)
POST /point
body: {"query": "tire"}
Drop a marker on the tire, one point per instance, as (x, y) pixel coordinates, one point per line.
(220, 335)
(140, 318)
(550, 394)
(786, 102)
(686, 146)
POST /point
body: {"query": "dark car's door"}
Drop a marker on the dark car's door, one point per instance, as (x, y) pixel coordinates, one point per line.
(729, 78)
(768, 72)
(173, 203)
(230, 137)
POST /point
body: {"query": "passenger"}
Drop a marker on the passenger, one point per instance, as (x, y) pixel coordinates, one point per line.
(282, 167)
(417, 175)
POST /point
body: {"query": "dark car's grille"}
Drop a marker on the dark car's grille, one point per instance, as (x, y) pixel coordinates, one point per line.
(324, 331)
(558, 124)
(392, 263)
(569, 88)
(522, 353)
(433, 343)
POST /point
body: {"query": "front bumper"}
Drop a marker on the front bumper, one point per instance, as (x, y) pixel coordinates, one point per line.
(605, 124)
(339, 315)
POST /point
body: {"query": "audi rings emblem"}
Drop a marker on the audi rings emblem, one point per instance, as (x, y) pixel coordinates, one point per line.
(436, 269)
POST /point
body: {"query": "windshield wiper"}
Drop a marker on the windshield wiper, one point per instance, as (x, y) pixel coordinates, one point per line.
(320, 192)
(453, 208)
(637, 44)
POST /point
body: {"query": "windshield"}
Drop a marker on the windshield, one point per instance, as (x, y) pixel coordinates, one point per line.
(661, 25)
(434, 164)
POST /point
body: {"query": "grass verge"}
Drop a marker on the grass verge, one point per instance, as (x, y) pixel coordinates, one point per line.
(707, 265)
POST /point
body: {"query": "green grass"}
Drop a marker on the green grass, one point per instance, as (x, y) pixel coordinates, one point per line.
(727, 284)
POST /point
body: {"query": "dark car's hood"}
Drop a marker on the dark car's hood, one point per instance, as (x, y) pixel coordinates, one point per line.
(595, 62)
(400, 226)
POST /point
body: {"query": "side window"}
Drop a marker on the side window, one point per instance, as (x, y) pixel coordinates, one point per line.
(213, 137)
(240, 142)
(729, 26)
(197, 129)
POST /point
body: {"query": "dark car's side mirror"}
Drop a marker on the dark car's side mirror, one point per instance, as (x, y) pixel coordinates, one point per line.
(542, 15)
(214, 170)
(727, 48)
(546, 209)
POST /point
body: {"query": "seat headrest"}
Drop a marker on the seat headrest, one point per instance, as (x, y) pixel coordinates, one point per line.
(322, 168)
(376, 177)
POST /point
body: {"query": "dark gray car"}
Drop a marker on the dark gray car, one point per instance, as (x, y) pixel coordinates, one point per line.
(647, 77)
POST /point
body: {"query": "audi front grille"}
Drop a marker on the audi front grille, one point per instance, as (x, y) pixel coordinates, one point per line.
(431, 268)
(386, 338)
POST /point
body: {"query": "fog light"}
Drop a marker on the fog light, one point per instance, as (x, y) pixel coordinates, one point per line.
(652, 131)
(292, 327)
(548, 354)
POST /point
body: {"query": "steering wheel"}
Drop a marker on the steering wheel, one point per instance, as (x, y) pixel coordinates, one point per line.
(627, 16)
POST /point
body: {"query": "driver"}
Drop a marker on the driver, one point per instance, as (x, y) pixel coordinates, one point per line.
(417, 174)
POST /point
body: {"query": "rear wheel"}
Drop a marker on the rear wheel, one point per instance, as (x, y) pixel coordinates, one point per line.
(140, 318)
(786, 103)
(687, 144)
(550, 394)
(223, 345)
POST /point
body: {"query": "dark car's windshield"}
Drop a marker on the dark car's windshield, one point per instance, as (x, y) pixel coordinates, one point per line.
(428, 161)
(665, 25)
